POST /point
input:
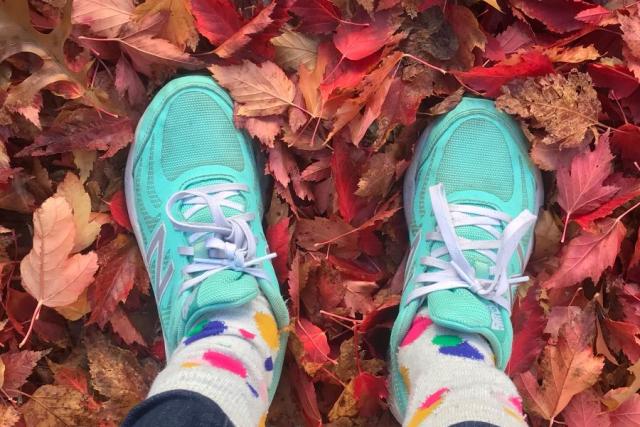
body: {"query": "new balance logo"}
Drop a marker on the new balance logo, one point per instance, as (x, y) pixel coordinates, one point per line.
(156, 246)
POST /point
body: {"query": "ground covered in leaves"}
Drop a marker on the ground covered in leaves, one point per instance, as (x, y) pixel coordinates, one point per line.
(335, 92)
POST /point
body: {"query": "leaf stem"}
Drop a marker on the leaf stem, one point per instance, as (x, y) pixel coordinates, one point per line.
(36, 314)
(425, 63)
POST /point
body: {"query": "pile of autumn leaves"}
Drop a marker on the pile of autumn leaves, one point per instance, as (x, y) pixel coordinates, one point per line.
(336, 93)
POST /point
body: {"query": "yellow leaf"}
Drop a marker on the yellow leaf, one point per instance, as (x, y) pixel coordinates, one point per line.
(76, 310)
(293, 49)
(180, 27)
(84, 162)
(573, 55)
(494, 4)
(1, 373)
(74, 193)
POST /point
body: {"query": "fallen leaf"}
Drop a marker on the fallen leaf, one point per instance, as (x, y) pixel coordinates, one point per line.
(491, 79)
(317, 16)
(627, 414)
(51, 405)
(120, 267)
(294, 49)
(630, 26)
(104, 17)
(568, 367)
(87, 226)
(623, 336)
(217, 20)
(358, 42)
(128, 82)
(82, 129)
(125, 329)
(48, 273)
(629, 190)
(15, 24)
(179, 28)
(314, 234)
(77, 309)
(8, 416)
(310, 346)
(17, 368)
(528, 324)
(378, 175)
(557, 109)
(258, 90)
(588, 255)
(468, 32)
(585, 410)
(557, 15)
(149, 54)
(118, 208)
(116, 374)
(278, 236)
(369, 391)
(626, 141)
(580, 186)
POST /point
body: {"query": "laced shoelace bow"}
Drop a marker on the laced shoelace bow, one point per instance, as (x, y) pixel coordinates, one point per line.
(458, 273)
(229, 241)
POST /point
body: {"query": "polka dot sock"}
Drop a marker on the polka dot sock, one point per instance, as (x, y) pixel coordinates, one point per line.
(228, 358)
(452, 379)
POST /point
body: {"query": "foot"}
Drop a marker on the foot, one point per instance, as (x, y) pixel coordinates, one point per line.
(194, 197)
(471, 196)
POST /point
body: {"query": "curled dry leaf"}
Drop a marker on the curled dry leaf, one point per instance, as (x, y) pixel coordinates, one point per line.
(557, 109)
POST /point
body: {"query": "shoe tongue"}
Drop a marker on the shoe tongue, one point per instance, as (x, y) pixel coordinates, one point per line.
(227, 288)
(464, 311)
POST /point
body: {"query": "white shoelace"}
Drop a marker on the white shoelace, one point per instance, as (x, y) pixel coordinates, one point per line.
(229, 241)
(458, 273)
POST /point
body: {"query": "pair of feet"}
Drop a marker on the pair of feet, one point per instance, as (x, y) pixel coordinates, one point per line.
(194, 195)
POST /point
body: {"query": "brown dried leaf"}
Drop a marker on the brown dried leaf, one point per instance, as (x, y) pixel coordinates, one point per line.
(116, 374)
(55, 405)
(556, 108)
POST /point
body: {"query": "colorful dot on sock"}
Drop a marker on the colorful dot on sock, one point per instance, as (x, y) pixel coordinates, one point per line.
(263, 420)
(223, 361)
(420, 323)
(427, 407)
(189, 365)
(512, 413)
(268, 329)
(246, 334)
(404, 374)
(196, 328)
(516, 402)
(211, 328)
(452, 345)
(253, 390)
(268, 364)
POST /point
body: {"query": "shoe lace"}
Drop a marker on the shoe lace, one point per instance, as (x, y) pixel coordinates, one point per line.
(458, 272)
(230, 244)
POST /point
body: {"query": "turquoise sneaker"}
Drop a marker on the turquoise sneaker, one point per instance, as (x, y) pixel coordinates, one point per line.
(469, 199)
(194, 196)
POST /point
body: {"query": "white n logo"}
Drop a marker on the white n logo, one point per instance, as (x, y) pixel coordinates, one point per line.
(157, 246)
